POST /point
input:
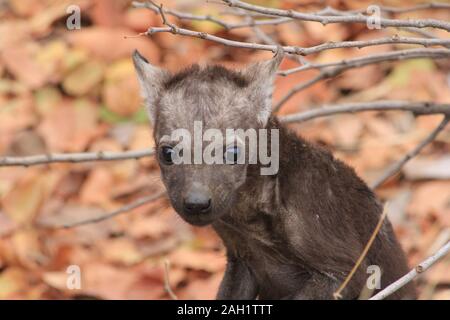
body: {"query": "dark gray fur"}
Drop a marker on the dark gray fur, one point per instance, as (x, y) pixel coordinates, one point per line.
(293, 235)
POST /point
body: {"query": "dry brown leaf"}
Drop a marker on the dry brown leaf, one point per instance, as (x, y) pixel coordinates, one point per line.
(6, 225)
(107, 13)
(13, 33)
(317, 33)
(120, 90)
(439, 274)
(104, 281)
(109, 44)
(13, 283)
(198, 260)
(27, 143)
(16, 114)
(27, 250)
(71, 136)
(154, 226)
(347, 129)
(202, 288)
(427, 168)
(442, 295)
(140, 19)
(120, 250)
(22, 203)
(20, 61)
(56, 279)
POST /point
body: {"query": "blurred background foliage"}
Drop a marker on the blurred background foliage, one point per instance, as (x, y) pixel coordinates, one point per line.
(75, 91)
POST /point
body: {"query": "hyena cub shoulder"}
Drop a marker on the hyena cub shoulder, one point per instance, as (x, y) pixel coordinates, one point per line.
(294, 219)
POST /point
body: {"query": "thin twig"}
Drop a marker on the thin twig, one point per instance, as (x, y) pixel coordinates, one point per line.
(396, 167)
(167, 287)
(347, 18)
(74, 157)
(414, 273)
(133, 205)
(337, 294)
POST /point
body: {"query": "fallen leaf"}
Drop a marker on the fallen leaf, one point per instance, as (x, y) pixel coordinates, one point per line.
(97, 188)
(347, 129)
(6, 225)
(140, 19)
(430, 197)
(120, 250)
(202, 289)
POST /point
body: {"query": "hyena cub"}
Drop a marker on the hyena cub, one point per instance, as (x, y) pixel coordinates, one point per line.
(293, 234)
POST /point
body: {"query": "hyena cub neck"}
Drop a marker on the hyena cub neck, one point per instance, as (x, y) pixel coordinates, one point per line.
(294, 231)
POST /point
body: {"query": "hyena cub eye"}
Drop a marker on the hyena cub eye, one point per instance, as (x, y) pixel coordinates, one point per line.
(166, 155)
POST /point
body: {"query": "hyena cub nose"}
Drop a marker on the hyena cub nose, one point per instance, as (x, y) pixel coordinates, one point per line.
(197, 201)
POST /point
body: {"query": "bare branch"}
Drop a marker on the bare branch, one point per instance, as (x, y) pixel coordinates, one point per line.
(347, 18)
(337, 294)
(418, 108)
(396, 167)
(343, 65)
(414, 273)
(74, 157)
(331, 11)
(375, 58)
(193, 17)
(388, 9)
(133, 205)
(296, 49)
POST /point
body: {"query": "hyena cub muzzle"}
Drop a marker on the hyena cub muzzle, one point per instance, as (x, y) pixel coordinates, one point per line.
(293, 219)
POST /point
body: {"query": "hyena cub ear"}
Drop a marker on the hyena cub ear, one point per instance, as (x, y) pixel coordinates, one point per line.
(151, 80)
(262, 76)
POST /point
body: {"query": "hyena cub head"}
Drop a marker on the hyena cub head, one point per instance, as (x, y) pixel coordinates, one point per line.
(203, 120)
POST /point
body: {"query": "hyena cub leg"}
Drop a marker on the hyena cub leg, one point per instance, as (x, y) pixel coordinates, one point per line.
(238, 282)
